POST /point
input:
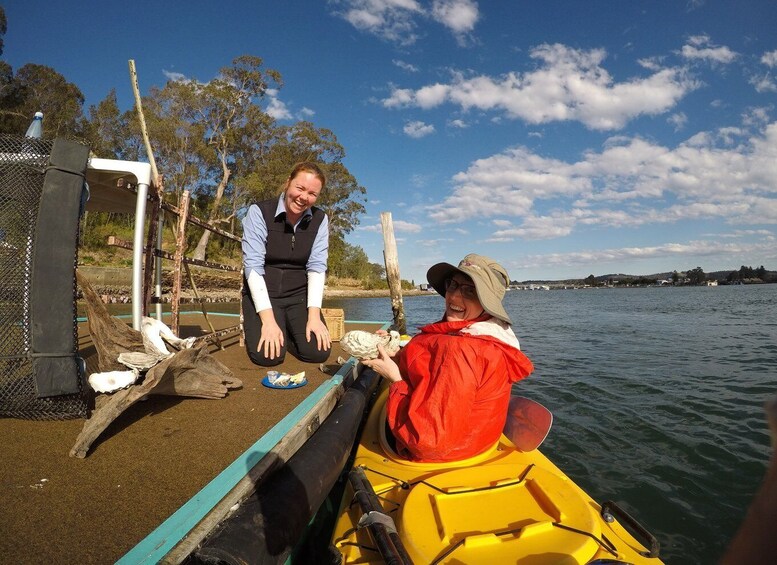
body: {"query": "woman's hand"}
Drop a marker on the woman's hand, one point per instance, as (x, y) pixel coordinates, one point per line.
(317, 327)
(384, 365)
(270, 336)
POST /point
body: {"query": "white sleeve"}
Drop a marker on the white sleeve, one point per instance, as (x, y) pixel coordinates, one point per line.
(315, 289)
(258, 289)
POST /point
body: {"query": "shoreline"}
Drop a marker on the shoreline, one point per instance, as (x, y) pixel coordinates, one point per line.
(113, 285)
(123, 294)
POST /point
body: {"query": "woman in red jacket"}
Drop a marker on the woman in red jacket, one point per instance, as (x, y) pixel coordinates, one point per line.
(450, 386)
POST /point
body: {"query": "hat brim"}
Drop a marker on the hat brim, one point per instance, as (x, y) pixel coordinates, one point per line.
(439, 273)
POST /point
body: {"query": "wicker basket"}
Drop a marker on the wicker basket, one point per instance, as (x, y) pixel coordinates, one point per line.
(335, 321)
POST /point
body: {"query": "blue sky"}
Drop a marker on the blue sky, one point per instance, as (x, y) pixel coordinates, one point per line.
(562, 138)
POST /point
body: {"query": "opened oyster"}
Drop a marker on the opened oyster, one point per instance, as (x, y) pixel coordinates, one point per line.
(364, 345)
(111, 381)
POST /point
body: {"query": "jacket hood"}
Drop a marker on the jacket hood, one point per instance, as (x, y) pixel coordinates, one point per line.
(489, 329)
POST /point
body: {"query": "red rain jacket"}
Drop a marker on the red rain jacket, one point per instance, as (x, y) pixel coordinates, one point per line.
(452, 402)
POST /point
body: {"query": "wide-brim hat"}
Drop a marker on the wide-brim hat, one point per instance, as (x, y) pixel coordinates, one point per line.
(489, 277)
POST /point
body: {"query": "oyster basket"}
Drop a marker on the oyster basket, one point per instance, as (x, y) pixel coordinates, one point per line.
(335, 321)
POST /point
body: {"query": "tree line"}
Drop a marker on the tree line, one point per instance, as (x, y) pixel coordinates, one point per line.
(691, 277)
(212, 138)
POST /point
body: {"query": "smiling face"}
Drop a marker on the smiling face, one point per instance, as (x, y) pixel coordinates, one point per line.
(461, 300)
(302, 191)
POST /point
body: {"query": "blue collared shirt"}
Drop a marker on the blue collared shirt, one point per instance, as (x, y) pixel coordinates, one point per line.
(255, 240)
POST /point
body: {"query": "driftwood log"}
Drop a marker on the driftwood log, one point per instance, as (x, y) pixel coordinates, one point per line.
(189, 372)
(110, 335)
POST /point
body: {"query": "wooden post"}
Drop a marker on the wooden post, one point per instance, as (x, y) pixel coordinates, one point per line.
(150, 260)
(392, 272)
(180, 248)
(143, 129)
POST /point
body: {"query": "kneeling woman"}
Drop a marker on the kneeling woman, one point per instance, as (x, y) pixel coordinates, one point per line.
(450, 386)
(285, 251)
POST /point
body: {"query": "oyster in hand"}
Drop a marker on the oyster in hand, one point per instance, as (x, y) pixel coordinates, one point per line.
(364, 345)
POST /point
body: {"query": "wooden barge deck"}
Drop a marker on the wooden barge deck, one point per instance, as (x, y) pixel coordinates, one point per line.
(151, 463)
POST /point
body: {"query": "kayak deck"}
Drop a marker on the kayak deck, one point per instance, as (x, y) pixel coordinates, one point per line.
(498, 507)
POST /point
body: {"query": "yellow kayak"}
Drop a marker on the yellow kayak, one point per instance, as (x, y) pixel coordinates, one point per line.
(502, 506)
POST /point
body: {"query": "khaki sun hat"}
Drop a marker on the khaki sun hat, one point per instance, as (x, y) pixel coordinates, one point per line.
(490, 278)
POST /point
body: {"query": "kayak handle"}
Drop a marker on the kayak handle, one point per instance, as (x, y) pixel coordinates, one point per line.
(610, 510)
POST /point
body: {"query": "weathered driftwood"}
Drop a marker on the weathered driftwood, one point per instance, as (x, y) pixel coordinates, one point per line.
(115, 336)
(189, 372)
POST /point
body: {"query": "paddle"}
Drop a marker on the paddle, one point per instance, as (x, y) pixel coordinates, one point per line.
(528, 423)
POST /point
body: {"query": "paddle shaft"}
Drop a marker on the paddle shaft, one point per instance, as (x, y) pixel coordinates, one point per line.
(384, 535)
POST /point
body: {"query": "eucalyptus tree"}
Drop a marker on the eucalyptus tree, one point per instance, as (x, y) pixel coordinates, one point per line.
(177, 138)
(343, 197)
(39, 88)
(224, 107)
(108, 131)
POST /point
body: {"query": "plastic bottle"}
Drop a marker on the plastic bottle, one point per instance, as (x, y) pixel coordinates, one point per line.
(36, 127)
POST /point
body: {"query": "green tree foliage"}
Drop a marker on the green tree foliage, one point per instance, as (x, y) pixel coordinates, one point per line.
(39, 88)
(3, 27)
(749, 273)
(213, 139)
(107, 131)
(696, 276)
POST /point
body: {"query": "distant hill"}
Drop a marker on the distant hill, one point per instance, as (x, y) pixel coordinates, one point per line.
(720, 276)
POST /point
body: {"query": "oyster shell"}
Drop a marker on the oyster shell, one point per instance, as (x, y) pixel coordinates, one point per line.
(364, 345)
(155, 333)
(139, 360)
(111, 381)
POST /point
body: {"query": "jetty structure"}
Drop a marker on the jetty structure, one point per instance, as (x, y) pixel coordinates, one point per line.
(137, 475)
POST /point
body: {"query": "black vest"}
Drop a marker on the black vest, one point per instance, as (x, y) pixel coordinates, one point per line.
(287, 251)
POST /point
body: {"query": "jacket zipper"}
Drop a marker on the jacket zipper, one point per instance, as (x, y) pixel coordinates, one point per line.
(292, 242)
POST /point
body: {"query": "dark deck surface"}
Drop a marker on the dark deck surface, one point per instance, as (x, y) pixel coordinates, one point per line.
(152, 459)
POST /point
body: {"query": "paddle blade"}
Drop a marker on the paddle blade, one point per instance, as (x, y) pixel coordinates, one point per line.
(528, 423)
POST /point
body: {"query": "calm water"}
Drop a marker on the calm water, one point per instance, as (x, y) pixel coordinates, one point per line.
(657, 396)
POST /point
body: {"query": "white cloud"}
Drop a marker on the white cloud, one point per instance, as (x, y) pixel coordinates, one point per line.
(728, 174)
(278, 110)
(175, 77)
(460, 16)
(764, 83)
(678, 120)
(399, 226)
(396, 20)
(406, 227)
(392, 20)
(770, 58)
(399, 97)
(700, 47)
(651, 63)
(306, 113)
(693, 249)
(418, 129)
(431, 96)
(405, 66)
(571, 84)
(457, 123)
